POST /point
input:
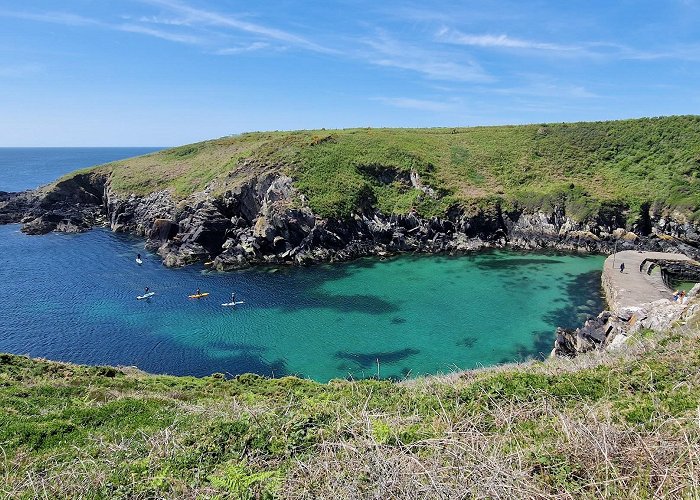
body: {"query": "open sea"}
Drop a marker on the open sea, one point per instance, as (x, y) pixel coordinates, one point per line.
(73, 298)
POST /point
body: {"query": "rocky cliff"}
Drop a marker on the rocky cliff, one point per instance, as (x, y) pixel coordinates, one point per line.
(266, 220)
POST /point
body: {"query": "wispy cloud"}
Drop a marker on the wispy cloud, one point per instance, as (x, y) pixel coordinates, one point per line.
(499, 41)
(68, 19)
(196, 16)
(168, 21)
(163, 35)
(543, 86)
(63, 18)
(390, 52)
(685, 52)
(419, 104)
(252, 47)
(184, 24)
(600, 50)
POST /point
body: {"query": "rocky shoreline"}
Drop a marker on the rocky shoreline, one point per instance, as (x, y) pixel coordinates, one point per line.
(268, 221)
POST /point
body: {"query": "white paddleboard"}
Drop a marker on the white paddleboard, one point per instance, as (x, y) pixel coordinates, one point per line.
(146, 296)
(139, 261)
(229, 304)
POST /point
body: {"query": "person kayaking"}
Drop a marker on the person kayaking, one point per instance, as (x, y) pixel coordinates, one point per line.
(146, 290)
(198, 292)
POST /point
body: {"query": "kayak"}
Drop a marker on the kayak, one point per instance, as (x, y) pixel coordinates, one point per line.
(198, 296)
(139, 261)
(146, 296)
(229, 304)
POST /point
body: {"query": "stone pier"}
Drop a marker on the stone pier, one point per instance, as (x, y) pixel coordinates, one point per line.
(637, 298)
(635, 286)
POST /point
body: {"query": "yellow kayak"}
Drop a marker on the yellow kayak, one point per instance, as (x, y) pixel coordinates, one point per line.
(198, 296)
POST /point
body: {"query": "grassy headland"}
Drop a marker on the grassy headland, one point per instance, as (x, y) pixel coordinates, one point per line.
(619, 424)
(584, 167)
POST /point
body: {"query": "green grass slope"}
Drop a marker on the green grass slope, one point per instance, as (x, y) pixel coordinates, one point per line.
(583, 166)
(622, 424)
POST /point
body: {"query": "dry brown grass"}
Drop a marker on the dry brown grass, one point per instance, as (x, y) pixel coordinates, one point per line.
(607, 459)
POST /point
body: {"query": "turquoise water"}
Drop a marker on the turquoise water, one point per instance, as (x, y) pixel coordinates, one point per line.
(72, 297)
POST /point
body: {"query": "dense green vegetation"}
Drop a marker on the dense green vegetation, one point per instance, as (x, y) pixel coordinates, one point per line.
(585, 167)
(619, 424)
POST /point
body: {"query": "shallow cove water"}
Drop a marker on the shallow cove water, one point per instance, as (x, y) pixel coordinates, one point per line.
(73, 298)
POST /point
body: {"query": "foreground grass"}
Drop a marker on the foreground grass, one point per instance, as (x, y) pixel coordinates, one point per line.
(587, 168)
(609, 424)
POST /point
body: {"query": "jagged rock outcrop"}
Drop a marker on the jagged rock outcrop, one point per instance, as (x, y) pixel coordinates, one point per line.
(15, 206)
(71, 205)
(266, 220)
(612, 329)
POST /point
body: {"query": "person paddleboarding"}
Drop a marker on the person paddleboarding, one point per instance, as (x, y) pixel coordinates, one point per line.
(147, 294)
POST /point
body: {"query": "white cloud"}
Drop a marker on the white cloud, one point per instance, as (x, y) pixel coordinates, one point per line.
(164, 21)
(432, 64)
(164, 35)
(600, 50)
(68, 19)
(212, 18)
(499, 41)
(197, 21)
(64, 18)
(419, 104)
(252, 47)
(542, 86)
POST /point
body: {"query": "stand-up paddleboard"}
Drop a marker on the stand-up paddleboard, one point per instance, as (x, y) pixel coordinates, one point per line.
(229, 304)
(146, 296)
(198, 296)
(139, 261)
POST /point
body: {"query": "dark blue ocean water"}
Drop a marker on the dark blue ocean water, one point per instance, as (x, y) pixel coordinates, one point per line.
(27, 168)
(73, 298)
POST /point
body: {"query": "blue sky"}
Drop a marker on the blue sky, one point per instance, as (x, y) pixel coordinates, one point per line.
(169, 72)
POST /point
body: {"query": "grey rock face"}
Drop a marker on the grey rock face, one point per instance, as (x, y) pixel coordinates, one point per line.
(266, 220)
